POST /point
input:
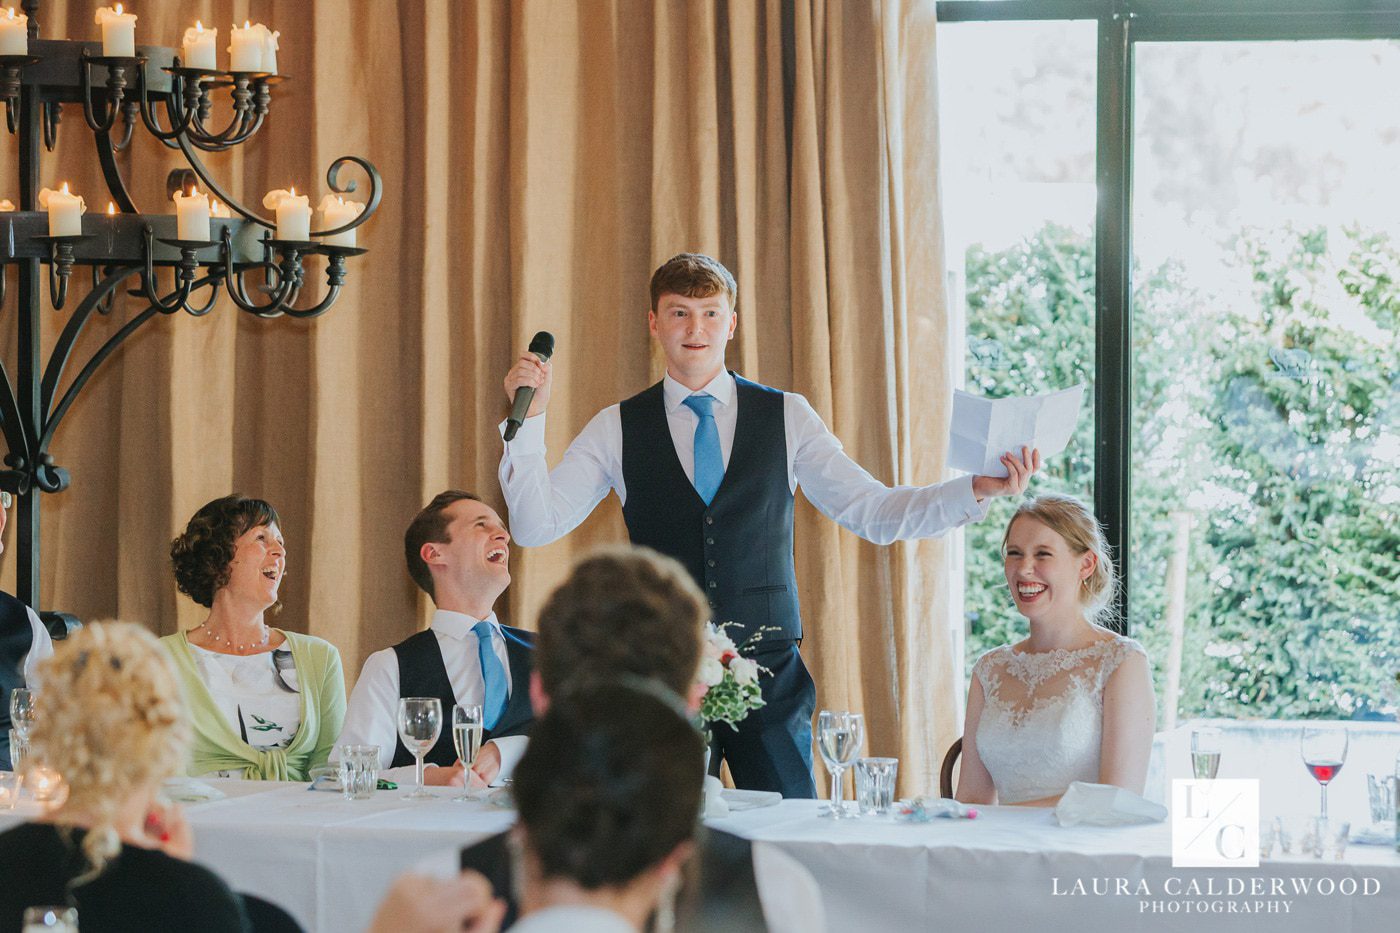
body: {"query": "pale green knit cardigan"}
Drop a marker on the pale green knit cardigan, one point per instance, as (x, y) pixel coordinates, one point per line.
(217, 746)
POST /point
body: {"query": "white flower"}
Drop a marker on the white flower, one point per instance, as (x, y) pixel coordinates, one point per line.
(745, 670)
(711, 672)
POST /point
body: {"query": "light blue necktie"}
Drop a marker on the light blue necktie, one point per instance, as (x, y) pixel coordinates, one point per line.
(709, 462)
(493, 677)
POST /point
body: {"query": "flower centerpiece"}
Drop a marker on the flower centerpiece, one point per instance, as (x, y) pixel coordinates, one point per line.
(729, 678)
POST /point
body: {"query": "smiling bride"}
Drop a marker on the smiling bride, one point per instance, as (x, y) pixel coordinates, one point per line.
(1072, 701)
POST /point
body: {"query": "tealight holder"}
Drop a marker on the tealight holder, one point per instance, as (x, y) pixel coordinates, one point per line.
(10, 783)
(45, 785)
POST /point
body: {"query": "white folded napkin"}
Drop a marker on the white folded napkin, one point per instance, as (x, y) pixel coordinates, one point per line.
(1377, 834)
(738, 800)
(715, 807)
(190, 790)
(1085, 804)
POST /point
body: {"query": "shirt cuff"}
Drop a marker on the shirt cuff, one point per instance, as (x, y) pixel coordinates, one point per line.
(529, 439)
(965, 501)
(512, 749)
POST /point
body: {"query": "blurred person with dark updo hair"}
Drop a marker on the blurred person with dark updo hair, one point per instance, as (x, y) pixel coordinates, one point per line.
(265, 704)
(112, 723)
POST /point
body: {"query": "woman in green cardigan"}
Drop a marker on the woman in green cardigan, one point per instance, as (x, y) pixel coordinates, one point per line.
(266, 705)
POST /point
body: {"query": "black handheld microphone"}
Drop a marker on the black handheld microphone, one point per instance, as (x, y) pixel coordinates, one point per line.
(542, 347)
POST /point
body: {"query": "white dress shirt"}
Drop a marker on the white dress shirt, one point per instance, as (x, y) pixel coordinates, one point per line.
(547, 504)
(39, 648)
(371, 715)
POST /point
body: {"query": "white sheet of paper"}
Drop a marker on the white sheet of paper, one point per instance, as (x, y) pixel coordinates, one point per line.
(985, 428)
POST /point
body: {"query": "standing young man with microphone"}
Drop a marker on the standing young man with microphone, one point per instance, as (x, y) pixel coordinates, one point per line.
(706, 465)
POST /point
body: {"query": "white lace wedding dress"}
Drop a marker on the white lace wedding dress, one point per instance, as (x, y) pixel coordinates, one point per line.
(1042, 722)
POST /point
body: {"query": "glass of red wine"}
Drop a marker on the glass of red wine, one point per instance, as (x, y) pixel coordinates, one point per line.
(1324, 751)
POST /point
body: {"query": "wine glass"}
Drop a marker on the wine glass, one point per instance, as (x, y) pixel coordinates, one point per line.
(467, 727)
(1205, 753)
(840, 736)
(420, 724)
(1324, 751)
(22, 711)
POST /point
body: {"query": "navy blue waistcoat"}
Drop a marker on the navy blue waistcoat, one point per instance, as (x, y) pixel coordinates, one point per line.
(16, 639)
(739, 547)
(422, 673)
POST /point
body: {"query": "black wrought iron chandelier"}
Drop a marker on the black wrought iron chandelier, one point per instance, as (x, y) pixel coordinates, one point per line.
(243, 254)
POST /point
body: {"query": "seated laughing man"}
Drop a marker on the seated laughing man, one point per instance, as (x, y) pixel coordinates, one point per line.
(457, 551)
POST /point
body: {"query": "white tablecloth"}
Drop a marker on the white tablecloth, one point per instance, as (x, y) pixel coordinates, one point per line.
(1002, 871)
(329, 861)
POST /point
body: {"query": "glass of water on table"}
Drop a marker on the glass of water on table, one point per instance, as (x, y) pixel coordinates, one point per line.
(840, 736)
(419, 722)
(1205, 752)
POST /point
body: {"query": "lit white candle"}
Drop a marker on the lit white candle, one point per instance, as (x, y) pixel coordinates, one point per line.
(65, 211)
(198, 49)
(335, 212)
(14, 33)
(219, 209)
(293, 214)
(269, 58)
(192, 215)
(118, 31)
(246, 50)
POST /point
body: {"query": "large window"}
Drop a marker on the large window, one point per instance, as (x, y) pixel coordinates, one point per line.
(1267, 460)
(1017, 157)
(1198, 219)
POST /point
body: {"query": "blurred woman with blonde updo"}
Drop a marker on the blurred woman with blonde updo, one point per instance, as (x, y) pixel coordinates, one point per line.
(1073, 700)
(111, 721)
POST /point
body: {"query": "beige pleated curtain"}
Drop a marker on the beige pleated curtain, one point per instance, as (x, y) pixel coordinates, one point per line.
(540, 159)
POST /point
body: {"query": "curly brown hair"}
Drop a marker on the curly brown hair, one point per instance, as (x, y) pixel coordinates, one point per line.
(202, 554)
(623, 610)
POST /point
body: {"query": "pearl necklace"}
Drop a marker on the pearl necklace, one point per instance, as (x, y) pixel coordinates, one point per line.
(237, 649)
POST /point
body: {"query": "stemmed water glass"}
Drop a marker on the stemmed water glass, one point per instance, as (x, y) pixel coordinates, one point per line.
(420, 724)
(467, 727)
(1324, 750)
(840, 736)
(22, 711)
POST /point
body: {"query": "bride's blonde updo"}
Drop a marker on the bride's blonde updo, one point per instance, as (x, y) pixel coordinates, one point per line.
(1072, 520)
(111, 720)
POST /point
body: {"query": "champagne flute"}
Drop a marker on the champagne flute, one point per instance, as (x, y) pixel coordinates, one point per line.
(467, 728)
(1324, 750)
(1205, 753)
(420, 724)
(840, 736)
(22, 711)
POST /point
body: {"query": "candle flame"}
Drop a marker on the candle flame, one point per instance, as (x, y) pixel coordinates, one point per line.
(111, 208)
(198, 25)
(119, 9)
(10, 11)
(294, 190)
(247, 24)
(64, 187)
